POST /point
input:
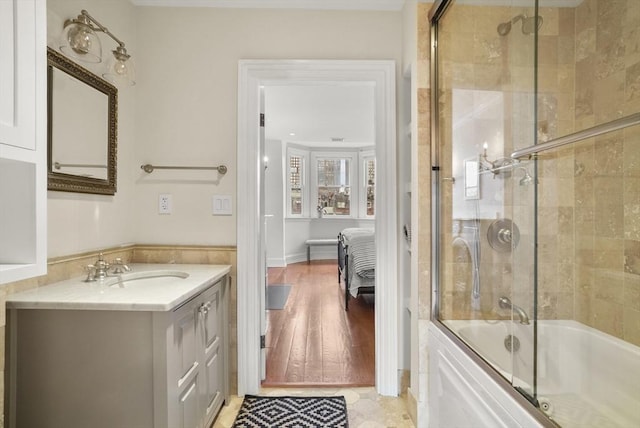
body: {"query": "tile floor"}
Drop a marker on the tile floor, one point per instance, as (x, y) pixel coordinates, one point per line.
(365, 407)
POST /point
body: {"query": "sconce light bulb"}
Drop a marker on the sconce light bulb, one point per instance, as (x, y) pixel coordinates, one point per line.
(266, 159)
(120, 68)
(79, 40)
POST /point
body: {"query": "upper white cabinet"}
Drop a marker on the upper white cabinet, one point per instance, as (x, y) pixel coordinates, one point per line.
(23, 138)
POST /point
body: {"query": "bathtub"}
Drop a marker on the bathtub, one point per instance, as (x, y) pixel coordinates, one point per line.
(586, 378)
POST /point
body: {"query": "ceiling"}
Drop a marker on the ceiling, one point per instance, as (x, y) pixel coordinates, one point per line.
(317, 114)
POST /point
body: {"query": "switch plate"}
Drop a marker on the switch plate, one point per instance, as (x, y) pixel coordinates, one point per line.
(221, 205)
(165, 203)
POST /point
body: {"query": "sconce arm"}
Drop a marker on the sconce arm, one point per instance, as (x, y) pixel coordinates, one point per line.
(100, 27)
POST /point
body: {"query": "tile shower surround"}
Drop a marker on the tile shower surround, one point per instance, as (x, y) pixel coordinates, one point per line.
(589, 193)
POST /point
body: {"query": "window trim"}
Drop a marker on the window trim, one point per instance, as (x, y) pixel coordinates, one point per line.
(364, 157)
(304, 188)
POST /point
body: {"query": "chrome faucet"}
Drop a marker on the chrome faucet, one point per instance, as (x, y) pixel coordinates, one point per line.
(100, 269)
(505, 303)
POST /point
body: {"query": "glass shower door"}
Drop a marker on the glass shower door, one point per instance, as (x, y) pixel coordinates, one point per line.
(486, 226)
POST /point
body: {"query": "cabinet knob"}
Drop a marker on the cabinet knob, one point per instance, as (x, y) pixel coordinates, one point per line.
(204, 308)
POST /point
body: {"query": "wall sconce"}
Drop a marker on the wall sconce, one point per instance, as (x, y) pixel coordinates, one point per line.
(494, 167)
(80, 41)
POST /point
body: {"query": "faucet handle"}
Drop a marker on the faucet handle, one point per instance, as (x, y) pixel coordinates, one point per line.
(91, 273)
(119, 266)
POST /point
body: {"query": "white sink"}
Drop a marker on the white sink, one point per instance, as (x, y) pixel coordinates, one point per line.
(125, 279)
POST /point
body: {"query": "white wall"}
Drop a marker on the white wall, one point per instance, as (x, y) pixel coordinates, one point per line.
(81, 222)
(182, 110)
(187, 98)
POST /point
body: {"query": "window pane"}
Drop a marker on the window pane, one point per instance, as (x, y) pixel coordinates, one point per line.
(333, 172)
(370, 166)
(295, 182)
(333, 187)
(334, 200)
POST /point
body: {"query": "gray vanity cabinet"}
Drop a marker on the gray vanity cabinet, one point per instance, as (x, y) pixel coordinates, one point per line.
(196, 362)
(120, 368)
(214, 389)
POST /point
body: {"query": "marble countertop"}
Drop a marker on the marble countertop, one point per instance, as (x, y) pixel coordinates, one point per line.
(132, 291)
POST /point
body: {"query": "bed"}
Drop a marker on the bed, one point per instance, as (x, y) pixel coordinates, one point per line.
(356, 262)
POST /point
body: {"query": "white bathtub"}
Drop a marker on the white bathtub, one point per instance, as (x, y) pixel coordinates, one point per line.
(585, 378)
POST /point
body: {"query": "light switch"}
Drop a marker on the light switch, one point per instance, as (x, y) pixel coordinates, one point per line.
(222, 205)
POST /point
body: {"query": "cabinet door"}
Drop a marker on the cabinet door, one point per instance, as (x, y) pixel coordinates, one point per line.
(211, 394)
(185, 377)
(188, 406)
(19, 51)
(186, 345)
(23, 154)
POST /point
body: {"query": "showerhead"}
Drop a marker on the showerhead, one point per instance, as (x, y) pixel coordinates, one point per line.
(504, 28)
(526, 179)
(529, 24)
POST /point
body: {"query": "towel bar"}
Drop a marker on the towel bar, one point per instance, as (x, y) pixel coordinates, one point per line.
(222, 169)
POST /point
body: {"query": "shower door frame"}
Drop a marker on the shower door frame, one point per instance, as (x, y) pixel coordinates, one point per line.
(436, 13)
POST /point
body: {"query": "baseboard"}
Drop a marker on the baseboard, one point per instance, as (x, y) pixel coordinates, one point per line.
(296, 258)
(276, 262)
(412, 406)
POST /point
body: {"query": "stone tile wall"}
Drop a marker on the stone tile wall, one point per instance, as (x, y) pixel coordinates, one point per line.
(606, 169)
(588, 211)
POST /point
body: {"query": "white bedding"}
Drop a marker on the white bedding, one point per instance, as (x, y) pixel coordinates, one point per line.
(362, 258)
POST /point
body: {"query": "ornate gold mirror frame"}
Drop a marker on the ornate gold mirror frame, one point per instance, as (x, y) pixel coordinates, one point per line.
(81, 173)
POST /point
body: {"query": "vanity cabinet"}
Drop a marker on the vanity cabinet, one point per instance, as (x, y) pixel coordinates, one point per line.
(23, 109)
(195, 361)
(120, 368)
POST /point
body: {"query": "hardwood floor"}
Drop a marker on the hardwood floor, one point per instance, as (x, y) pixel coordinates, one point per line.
(313, 340)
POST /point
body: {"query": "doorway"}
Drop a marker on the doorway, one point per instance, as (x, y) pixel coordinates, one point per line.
(254, 75)
(319, 154)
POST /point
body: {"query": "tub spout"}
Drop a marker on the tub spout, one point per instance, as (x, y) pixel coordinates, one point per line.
(505, 303)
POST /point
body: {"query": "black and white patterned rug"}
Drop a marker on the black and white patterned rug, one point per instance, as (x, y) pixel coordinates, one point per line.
(292, 412)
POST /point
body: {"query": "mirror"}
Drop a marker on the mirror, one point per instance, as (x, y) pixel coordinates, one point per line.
(471, 179)
(82, 128)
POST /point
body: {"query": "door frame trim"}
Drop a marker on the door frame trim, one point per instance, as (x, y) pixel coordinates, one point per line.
(252, 75)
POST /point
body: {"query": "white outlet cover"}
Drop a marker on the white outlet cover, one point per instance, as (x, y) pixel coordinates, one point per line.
(222, 205)
(165, 203)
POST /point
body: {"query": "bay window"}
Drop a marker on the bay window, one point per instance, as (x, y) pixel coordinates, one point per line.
(341, 183)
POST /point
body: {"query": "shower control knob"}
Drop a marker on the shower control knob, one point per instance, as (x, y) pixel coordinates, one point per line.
(504, 236)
